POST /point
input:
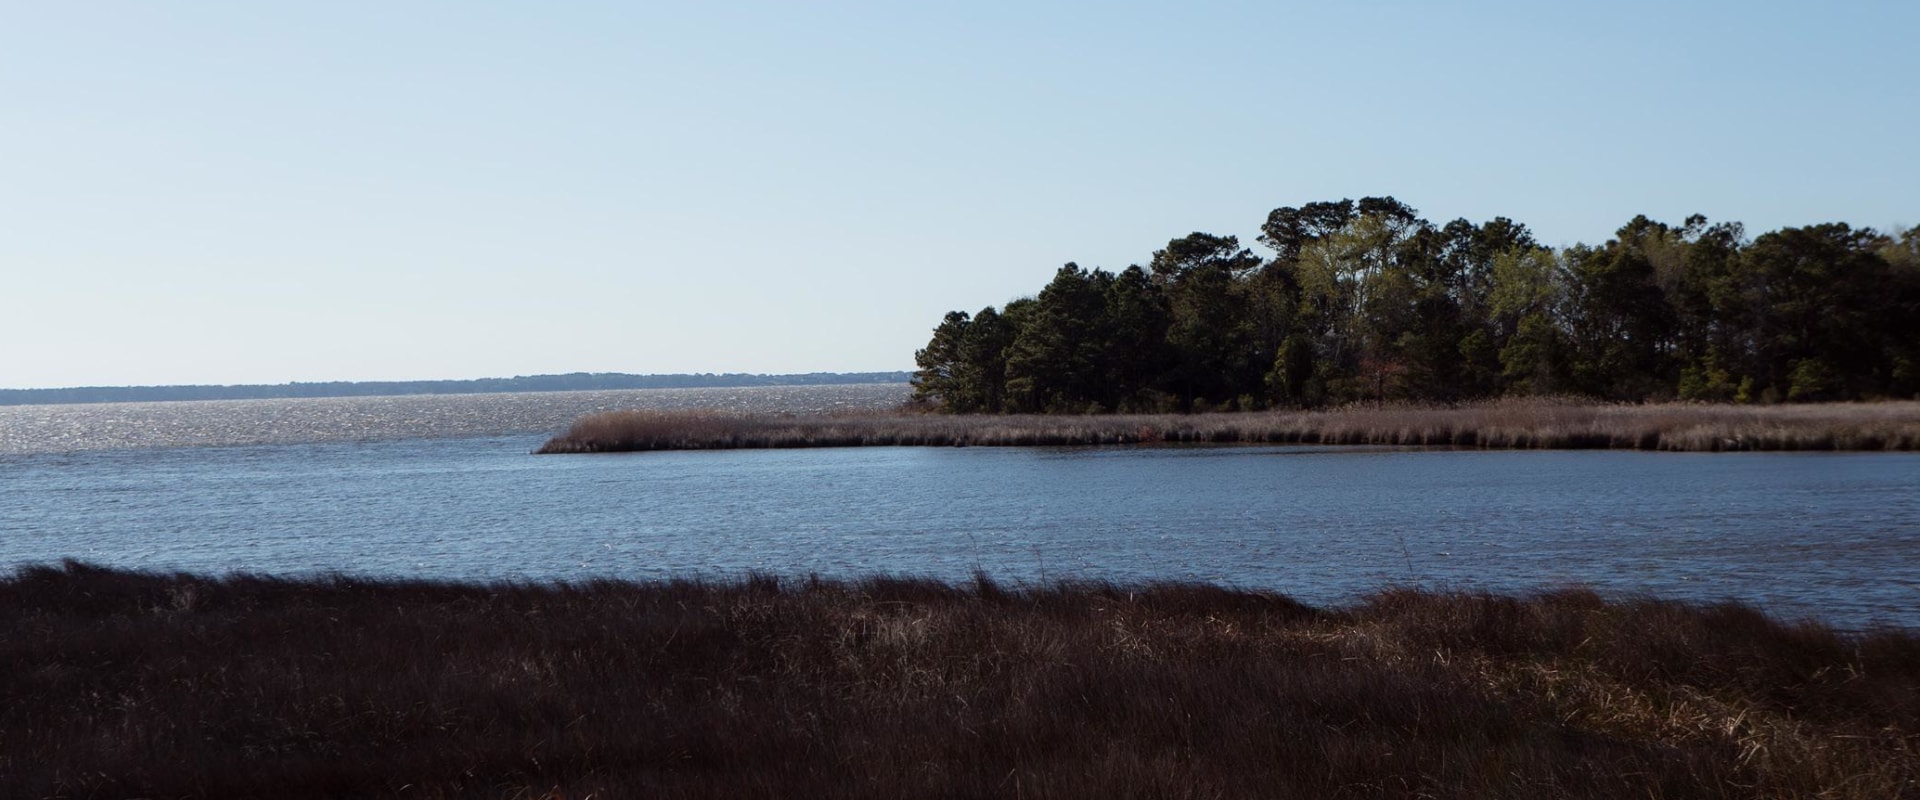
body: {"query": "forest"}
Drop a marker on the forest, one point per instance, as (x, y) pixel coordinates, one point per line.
(1366, 301)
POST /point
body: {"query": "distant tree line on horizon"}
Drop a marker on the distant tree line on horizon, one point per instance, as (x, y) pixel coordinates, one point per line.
(1366, 301)
(574, 381)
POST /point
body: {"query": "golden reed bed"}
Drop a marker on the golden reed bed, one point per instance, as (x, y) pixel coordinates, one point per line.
(1557, 424)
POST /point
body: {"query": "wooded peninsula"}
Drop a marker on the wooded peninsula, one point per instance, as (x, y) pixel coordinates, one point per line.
(1366, 302)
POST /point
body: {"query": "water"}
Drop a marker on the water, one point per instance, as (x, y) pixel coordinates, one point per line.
(55, 428)
(1832, 536)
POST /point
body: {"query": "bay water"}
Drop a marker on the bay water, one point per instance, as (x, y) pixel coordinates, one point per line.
(446, 488)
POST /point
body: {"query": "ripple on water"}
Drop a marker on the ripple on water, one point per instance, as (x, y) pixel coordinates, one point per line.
(203, 423)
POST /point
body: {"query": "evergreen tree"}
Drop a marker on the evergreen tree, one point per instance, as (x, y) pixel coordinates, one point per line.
(1054, 363)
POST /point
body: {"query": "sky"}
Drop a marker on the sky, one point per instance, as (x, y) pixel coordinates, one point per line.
(244, 192)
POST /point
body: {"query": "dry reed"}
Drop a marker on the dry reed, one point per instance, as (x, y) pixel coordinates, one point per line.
(118, 684)
(1534, 423)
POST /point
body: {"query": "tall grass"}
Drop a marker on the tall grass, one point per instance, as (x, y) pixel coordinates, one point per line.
(118, 684)
(1504, 424)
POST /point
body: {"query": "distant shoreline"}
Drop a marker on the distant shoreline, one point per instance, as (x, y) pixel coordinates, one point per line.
(1507, 424)
(575, 381)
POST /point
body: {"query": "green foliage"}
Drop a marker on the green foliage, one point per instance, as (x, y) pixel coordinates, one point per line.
(1524, 282)
(1823, 294)
(1290, 381)
(1054, 363)
(1708, 383)
(1480, 364)
(940, 362)
(1813, 380)
(1289, 229)
(1365, 301)
(1207, 327)
(1621, 326)
(1531, 362)
(1902, 250)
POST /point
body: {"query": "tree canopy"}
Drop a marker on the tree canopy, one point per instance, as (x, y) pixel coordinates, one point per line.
(1366, 300)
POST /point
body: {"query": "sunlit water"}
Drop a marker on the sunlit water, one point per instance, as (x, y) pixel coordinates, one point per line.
(1833, 536)
(54, 428)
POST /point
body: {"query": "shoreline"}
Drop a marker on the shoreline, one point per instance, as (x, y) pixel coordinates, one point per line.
(144, 684)
(1511, 424)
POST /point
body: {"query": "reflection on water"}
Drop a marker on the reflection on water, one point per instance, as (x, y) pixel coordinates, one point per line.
(1828, 535)
(107, 426)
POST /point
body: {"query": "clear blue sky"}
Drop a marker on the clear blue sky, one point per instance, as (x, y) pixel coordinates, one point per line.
(246, 192)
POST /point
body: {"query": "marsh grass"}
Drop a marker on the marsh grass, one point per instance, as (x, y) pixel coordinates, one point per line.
(120, 684)
(1534, 423)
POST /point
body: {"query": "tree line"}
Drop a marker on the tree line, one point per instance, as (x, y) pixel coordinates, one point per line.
(1367, 301)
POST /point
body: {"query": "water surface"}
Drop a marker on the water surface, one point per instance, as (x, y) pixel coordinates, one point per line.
(202, 423)
(1827, 535)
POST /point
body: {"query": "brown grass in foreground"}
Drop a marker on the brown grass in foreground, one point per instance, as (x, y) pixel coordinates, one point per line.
(1505, 424)
(117, 684)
